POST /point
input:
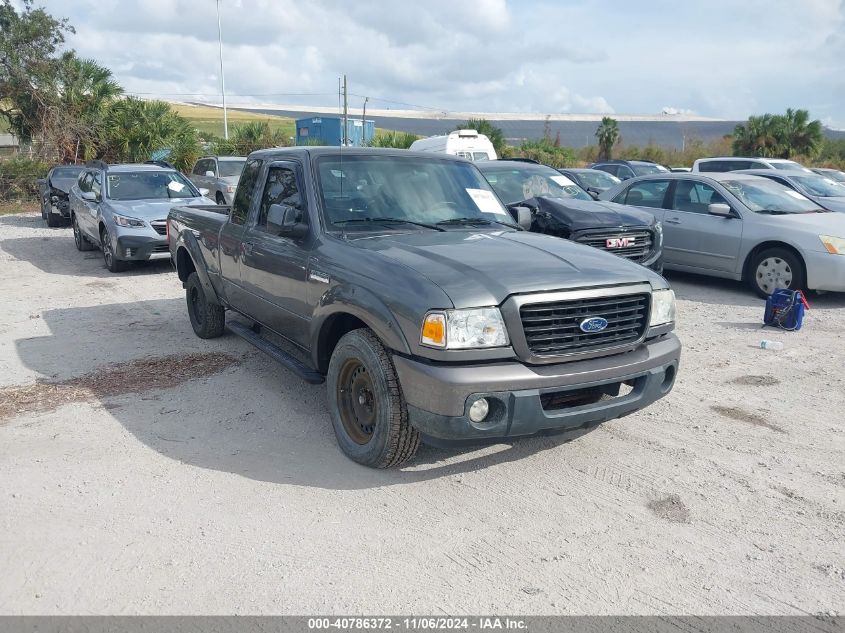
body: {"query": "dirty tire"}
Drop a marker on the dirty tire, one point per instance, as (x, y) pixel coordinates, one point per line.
(361, 365)
(82, 243)
(114, 264)
(775, 268)
(207, 319)
(220, 199)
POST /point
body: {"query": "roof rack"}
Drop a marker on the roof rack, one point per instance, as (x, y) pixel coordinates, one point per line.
(99, 164)
(160, 163)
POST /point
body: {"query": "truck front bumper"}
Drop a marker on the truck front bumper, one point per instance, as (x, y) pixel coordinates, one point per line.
(529, 400)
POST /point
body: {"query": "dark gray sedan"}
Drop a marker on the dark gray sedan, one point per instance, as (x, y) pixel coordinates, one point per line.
(743, 227)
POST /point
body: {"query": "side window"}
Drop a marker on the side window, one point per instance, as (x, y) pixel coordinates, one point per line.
(198, 168)
(281, 188)
(713, 165)
(97, 184)
(625, 172)
(243, 194)
(695, 197)
(757, 165)
(211, 165)
(610, 169)
(648, 193)
(85, 181)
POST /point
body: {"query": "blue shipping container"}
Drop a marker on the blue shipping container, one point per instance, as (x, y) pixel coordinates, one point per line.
(327, 131)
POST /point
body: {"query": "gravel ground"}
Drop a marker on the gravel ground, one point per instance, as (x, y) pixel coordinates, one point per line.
(222, 490)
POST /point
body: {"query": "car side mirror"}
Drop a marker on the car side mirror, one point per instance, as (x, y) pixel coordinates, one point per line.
(209, 174)
(593, 194)
(89, 196)
(203, 191)
(523, 216)
(720, 208)
(285, 220)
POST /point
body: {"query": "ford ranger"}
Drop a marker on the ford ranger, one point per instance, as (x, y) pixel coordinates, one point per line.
(400, 279)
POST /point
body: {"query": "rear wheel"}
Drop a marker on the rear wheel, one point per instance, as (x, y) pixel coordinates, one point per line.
(114, 264)
(368, 410)
(82, 243)
(775, 268)
(207, 319)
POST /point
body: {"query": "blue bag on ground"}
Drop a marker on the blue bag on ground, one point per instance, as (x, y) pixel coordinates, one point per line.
(785, 309)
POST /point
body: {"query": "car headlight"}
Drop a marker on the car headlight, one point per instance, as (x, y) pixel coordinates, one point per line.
(464, 329)
(662, 307)
(834, 245)
(231, 188)
(122, 220)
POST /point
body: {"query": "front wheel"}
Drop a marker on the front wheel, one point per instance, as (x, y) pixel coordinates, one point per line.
(114, 264)
(207, 319)
(368, 410)
(775, 268)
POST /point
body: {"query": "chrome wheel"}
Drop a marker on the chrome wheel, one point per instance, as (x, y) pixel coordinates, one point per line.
(105, 242)
(773, 273)
(77, 236)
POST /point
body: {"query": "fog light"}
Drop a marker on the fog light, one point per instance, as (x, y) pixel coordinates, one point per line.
(129, 252)
(479, 410)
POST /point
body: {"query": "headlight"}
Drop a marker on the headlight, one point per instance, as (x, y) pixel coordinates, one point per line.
(122, 220)
(231, 188)
(658, 233)
(834, 245)
(464, 329)
(662, 307)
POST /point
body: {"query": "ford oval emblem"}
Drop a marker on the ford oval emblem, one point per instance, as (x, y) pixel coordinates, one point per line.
(593, 324)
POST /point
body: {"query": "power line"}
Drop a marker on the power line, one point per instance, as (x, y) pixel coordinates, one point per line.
(231, 94)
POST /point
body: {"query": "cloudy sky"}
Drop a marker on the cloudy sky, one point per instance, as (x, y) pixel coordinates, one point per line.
(719, 58)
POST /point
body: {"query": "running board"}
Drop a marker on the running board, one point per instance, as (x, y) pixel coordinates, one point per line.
(276, 353)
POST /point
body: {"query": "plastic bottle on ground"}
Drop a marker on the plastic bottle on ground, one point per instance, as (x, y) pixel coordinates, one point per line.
(766, 344)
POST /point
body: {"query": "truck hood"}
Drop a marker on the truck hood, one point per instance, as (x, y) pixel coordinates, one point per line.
(62, 184)
(580, 215)
(483, 268)
(152, 209)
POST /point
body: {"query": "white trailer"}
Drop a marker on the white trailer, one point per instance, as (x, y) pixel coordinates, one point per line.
(464, 143)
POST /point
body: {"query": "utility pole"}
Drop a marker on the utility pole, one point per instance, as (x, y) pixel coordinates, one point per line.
(364, 123)
(222, 77)
(343, 137)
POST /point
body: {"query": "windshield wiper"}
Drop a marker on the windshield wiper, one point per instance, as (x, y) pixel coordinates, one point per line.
(389, 221)
(478, 222)
(774, 211)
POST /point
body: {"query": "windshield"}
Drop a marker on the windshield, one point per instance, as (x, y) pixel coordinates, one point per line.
(229, 168)
(838, 176)
(766, 195)
(597, 179)
(647, 170)
(788, 165)
(515, 184)
(359, 189)
(66, 172)
(821, 186)
(149, 185)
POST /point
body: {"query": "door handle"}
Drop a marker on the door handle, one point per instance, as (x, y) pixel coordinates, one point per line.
(672, 221)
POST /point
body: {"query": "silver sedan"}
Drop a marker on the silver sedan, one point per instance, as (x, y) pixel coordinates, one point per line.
(742, 227)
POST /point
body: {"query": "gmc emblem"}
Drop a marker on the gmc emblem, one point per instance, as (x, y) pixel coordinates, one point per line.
(620, 242)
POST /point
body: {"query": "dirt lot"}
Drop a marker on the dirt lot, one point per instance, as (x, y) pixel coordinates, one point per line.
(199, 477)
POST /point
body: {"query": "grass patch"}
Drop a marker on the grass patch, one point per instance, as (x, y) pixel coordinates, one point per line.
(209, 120)
(10, 208)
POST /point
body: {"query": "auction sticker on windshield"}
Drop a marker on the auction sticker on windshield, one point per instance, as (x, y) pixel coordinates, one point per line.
(563, 181)
(486, 201)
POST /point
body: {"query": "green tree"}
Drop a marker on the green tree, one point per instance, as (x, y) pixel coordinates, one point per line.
(29, 69)
(779, 135)
(256, 135)
(399, 140)
(607, 134)
(483, 126)
(134, 129)
(801, 135)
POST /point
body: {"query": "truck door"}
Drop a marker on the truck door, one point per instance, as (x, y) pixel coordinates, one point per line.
(274, 267)
(232, 236)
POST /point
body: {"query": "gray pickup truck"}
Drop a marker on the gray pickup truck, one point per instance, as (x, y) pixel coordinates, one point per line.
(400, 280)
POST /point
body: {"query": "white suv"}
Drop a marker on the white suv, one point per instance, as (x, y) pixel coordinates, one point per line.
(732, 163)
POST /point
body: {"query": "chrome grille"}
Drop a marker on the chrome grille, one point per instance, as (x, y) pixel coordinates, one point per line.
(160, 226)
(637, 251)
(554, 327)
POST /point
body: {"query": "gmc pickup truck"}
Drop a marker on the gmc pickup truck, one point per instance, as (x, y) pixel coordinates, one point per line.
(400, 280)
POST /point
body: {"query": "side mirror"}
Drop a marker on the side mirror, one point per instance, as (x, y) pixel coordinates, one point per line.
(720, 209)
(209, 174)
(89, 196)
(593, 194)
(283, 219)
(523, 216)
(203, 191)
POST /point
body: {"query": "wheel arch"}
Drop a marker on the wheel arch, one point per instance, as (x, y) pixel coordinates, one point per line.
(763, 246)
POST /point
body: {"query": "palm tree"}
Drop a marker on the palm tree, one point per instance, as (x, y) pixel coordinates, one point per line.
(607, 134)
(801, 136)
(255, 135)
(483, 126)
